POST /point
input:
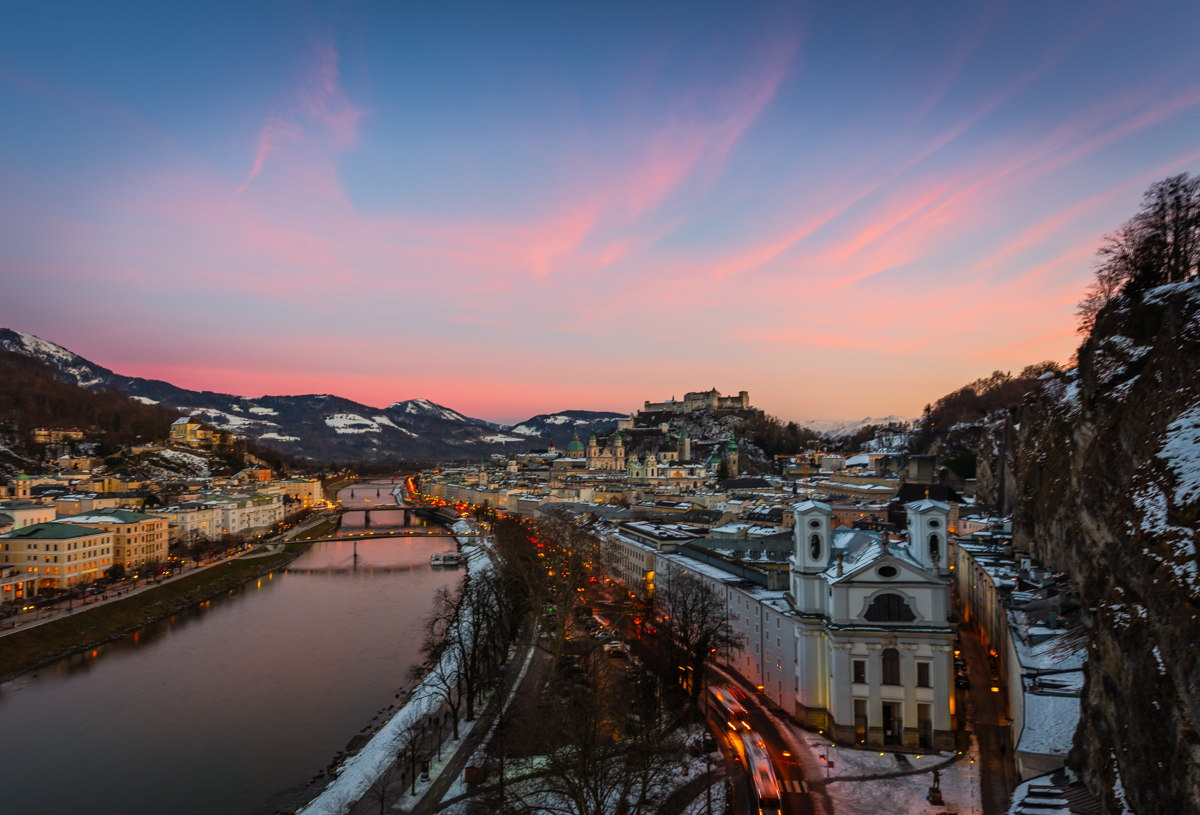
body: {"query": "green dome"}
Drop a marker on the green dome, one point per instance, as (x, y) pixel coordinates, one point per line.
(592, 436)
(575, 445)
(732, 445)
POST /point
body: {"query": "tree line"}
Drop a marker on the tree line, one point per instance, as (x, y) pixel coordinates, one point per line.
(1158, 245)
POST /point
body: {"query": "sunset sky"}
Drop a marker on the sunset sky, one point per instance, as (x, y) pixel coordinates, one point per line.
(847, 209)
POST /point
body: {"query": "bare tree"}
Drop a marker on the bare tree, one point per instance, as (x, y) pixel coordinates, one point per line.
(600, 757)
(1160, 244)
(441, 650)
(692, 622)
(379, 791)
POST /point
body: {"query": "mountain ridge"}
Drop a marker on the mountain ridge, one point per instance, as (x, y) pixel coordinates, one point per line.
(314, 426)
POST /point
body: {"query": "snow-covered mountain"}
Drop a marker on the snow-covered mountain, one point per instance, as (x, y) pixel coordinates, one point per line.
(316, 426)
(835, 428)
(562, 425)
(423, 407)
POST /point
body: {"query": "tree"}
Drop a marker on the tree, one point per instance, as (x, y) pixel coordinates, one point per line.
(440, 649)
(610, 748)
(1158, 245)
(692, 622)
(379, 791)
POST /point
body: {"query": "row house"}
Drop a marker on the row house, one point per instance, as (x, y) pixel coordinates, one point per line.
(53, 556)
(137, 538)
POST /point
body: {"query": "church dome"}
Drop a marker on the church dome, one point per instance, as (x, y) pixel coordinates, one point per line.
(575, 445)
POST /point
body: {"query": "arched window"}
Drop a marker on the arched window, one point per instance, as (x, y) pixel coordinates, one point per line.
(889, 608)
(891, 666)
(814, 547)
(934, 553)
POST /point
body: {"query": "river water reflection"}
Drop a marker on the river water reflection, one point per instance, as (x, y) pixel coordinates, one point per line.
(225, 707)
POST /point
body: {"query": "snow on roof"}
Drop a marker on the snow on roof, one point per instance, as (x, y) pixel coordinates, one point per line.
(1050, 723)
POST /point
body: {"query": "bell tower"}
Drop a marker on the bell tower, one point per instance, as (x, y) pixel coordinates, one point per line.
(811, 556)
(928, 538)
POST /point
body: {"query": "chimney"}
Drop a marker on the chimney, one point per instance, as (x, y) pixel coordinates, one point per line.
(841, 557)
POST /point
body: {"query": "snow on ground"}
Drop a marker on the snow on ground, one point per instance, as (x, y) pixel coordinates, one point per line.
(1181, 451)
(522, 430)
(196, 465)
(906, 793)
(702, 805)
(384, 420)
(145, 400)
(264, 411)
(423, 407)
(1050, 724)
(351, 423)
(277, 437)
(499, 439)
(220, 418)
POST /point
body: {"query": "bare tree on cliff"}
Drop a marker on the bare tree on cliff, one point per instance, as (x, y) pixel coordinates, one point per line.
(692, 622)
(1161, 244)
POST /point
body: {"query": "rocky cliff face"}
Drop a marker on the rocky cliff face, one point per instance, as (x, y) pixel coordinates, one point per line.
(1104, 470)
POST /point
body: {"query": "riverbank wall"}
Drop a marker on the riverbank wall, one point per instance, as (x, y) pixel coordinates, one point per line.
(24, 651)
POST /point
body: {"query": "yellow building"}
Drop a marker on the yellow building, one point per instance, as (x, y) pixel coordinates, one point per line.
(138, 538)
(55, 556)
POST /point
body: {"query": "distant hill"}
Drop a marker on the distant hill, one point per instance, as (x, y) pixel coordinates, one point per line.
(561, 426)
(837, 428)
(32, 396)
(319, 427)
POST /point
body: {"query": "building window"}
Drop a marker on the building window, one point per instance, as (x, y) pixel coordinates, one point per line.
(934, 555)
(923, 675)
(891, 667)
(860, 671)
(889, 608)
(814, 547)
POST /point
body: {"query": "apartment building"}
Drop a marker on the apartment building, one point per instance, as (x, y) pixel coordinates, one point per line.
(53, 556)
(138, 538)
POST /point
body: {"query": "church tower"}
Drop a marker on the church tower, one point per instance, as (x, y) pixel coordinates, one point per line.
(731, 457)
(593, 451)
(619, 450)
(21, 487)
(928, 538)
(685, 444)
(811, 556)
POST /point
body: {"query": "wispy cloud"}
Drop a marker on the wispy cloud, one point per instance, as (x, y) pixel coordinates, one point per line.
(318, 100)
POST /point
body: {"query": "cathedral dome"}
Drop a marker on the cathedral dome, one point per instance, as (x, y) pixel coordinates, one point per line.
(575, 445)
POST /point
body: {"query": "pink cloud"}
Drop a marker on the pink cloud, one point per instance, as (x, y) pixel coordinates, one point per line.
(319, 99)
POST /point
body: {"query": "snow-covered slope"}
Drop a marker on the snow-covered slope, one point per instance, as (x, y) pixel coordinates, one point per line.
(835, 427)
(562, 425)
(318, 426)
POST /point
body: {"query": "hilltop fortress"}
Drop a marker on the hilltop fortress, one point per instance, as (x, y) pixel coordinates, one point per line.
(701, 400)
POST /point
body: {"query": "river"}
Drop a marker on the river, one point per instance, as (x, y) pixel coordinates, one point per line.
(235, 706)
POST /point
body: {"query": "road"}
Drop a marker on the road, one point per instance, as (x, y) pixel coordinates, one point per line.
(797, 796)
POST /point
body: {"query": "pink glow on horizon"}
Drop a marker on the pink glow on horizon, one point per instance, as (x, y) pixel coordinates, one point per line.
(603, 280)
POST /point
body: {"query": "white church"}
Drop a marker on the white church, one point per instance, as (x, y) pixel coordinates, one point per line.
(874, 649)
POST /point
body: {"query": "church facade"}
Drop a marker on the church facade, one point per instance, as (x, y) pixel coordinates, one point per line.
(874, 647)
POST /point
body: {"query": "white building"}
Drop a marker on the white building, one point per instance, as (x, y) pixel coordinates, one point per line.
(874, 645)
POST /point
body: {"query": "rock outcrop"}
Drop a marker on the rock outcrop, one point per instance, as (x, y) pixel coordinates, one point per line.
(1104, 474)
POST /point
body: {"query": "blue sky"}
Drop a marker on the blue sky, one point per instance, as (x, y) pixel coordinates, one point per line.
(845, 209)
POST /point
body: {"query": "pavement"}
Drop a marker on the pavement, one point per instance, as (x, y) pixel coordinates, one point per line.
(432, 801)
